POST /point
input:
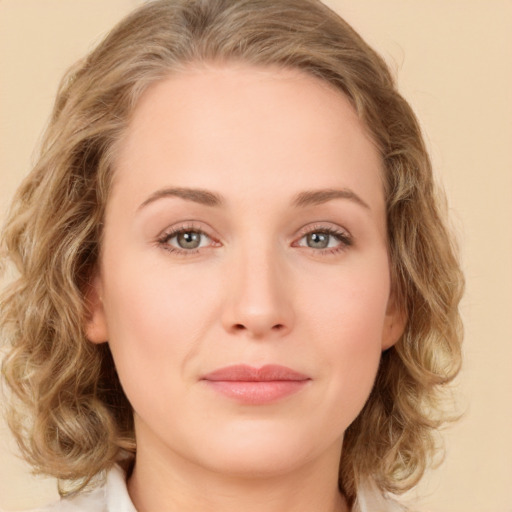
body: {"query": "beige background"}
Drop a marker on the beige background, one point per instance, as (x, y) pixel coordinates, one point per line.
(453, 62)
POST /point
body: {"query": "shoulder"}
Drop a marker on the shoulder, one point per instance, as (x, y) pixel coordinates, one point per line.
(109, 497)
(113, 497)
(93, 501)
(371, 499)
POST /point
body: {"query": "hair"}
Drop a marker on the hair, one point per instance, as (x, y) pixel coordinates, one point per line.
(67, 408)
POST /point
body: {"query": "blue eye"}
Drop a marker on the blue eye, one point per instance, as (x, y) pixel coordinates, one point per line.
(325, 239)
(319, 240)
(186, 240)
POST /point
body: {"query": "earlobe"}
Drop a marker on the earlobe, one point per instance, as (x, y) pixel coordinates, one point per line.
(394, 324)
(95, 320)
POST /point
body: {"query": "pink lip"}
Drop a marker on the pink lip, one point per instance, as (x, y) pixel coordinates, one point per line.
(256, 386)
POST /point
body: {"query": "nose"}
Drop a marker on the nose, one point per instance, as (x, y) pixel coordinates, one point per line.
(258, 298)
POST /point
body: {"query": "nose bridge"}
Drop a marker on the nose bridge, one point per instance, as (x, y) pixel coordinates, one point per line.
(259, 299)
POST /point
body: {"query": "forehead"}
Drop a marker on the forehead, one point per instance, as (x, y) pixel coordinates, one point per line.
(219, 125)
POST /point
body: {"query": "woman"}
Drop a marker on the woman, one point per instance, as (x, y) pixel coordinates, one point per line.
(235, 282)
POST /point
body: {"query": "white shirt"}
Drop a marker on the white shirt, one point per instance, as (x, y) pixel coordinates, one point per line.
(113, 497)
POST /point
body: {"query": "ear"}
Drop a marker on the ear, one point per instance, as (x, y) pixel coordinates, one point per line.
(394, 323)
(96, 328)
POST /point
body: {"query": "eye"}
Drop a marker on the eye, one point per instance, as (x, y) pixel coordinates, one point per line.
(188, 239)
(320, 240)
(185, 240)
(325, 238)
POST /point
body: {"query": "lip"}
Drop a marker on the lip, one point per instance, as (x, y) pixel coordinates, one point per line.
(256, 386)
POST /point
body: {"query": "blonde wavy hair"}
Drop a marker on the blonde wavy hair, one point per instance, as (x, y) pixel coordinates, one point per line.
(67, 408)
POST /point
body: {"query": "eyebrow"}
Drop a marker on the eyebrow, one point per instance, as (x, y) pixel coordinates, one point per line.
(196, 195)
(316, 197)
(212, 199)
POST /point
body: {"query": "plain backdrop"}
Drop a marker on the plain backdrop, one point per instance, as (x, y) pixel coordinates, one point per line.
(452, 59)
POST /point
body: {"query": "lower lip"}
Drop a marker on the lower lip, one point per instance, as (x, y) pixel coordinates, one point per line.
(259, 392)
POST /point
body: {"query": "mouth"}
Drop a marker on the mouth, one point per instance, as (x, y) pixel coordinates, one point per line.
(256, 386)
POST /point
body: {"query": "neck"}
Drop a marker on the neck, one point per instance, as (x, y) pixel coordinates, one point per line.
(166, 482)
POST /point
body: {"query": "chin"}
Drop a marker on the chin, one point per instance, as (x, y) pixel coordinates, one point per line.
(262, 453)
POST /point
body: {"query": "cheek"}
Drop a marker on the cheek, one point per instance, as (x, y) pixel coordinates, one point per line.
(348, 304)
(352, 331)
(156, 318)
(346, 318)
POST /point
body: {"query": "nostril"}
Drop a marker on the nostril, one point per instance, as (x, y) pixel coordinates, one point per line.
(242, 327)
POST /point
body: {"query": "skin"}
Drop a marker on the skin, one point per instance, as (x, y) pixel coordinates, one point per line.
(258, 290)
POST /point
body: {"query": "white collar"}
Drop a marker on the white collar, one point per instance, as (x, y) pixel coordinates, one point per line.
(369, 498)
(117, 497)
(114, 497)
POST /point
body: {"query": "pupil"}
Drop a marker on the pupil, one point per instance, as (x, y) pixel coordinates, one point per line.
(189, 240)
(318, 240)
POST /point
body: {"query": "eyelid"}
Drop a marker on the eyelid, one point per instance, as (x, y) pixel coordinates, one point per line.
(343, 235)
(170, 232)
(327, 227)
(340, 233)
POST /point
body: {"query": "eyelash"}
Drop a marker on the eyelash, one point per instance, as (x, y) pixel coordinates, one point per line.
(163, 241)
(344, 238)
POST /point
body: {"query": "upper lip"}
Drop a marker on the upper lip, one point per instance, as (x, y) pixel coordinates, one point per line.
(245, 373)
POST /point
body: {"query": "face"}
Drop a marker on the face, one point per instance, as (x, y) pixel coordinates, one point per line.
(243, 285)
